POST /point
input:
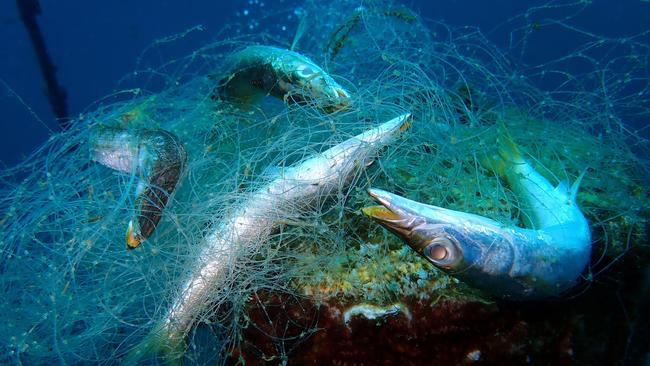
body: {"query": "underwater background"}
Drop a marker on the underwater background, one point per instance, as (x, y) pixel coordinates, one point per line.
(105, 51)
(95, 44)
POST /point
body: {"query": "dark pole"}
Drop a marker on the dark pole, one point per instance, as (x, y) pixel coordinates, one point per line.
(28, 10)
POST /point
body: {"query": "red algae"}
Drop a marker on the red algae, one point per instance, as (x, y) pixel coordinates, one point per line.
(573, 331)
(448, 332)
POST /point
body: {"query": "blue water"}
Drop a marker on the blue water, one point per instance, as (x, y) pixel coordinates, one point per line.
(95, 44)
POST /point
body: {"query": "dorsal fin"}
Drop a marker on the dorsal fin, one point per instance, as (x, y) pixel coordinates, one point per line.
(570, 192)
(576, 185)
(302, 27)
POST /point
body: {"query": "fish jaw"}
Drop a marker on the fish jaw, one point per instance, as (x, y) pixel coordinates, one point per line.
(301, 80)
(327, 94)
(367, 144)
(133, 236)
(437, 234)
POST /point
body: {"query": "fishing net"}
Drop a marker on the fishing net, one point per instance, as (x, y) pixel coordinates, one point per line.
(74, 294)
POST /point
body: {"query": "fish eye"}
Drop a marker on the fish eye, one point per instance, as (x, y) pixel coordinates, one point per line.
(305, 71)
(438, 252)
(442, 251)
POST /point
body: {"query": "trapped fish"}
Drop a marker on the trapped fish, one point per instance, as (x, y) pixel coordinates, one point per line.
(257, 71)
(252, 223)
(511, 262)
(156, 158)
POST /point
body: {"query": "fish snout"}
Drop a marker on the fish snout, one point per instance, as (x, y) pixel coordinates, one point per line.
(333, 99)
(392, 214)
(328, 94)
(408, 220)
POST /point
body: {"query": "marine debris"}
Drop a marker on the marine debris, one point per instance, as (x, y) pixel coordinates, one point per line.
(73, 294)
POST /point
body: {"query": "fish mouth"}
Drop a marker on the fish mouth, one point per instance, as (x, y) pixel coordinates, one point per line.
(410, 221)
(380, 213)
(337, 100)
(329, 101)
(393, 213)
(342, 94)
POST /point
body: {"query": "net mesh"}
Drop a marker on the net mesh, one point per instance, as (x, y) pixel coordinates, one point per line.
(74, 294)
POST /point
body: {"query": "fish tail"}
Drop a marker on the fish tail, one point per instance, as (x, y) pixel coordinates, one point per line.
(159, 343)
(133, 235)
(507, 156)
(508, 149)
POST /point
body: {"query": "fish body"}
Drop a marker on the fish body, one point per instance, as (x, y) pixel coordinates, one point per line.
(157, 159)
(258, 216)
(257, 71)
(543, 260)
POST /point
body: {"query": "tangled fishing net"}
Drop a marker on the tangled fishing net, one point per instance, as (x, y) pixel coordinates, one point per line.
(74, 294)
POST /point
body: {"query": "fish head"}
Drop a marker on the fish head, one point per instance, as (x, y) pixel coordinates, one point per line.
(433, 232)
(341, 163)
(311, 84)
(502, 261)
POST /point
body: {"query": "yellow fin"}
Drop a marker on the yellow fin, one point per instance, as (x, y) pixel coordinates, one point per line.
(133, 237)
(507, 155)
(508, 150)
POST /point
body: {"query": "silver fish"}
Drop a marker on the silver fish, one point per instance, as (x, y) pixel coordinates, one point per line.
(506, 261)
(156, 157)
(256, 218)
(257, 71)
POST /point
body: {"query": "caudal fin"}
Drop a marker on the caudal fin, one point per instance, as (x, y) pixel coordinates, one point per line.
(506, 157)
